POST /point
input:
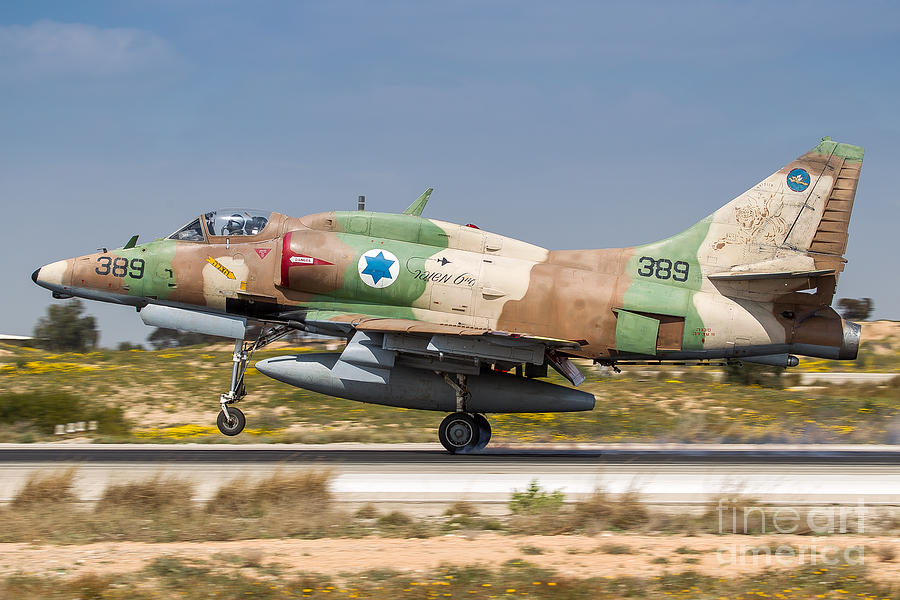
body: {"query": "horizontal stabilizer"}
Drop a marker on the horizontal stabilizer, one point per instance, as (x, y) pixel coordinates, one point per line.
(744, 276)
(777, 285)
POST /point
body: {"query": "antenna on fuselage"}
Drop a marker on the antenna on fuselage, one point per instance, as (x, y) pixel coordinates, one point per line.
(362, 203)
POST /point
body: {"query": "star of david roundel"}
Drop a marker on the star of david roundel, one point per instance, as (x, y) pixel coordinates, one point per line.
(378, 268)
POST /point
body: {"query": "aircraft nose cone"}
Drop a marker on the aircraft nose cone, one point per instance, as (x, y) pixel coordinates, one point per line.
(56, 276)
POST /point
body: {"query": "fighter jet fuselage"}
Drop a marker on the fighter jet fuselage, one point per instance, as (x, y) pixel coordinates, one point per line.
(437, 314)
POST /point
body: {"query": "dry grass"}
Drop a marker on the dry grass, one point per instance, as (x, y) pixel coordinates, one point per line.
(150, 495)
(367, 511)
(735, 514)
(616, 549)
(465, 509)
(304, 491)
(602, 511)
(162, 509)
(43, 488)
(886, 552)
(300, 505)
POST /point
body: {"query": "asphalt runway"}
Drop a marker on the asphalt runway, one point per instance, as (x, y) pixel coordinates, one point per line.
(433, 454)
(423, 474)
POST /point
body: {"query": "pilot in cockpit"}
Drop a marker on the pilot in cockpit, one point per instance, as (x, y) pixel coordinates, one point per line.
(226, 222)
(234, 225)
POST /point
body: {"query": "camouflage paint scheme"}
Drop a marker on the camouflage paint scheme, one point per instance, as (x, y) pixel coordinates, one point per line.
(756, 277)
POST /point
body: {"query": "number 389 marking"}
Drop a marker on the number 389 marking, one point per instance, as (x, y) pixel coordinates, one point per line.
(663, 268)
(120, 267)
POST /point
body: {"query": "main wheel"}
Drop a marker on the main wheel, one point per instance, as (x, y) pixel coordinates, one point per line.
(484, 431)
(458, 433)
(234, 423)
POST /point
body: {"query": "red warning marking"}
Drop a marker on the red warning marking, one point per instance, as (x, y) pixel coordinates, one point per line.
(289, 259)
(263, 252)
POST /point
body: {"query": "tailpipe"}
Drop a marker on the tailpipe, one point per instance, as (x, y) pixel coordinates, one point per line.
(850, 340)
(826, 335)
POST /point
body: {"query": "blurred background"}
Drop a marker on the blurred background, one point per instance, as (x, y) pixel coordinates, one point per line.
(569, 126)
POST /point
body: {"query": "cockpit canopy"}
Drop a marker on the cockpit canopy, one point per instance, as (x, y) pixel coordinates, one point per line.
(223, 222)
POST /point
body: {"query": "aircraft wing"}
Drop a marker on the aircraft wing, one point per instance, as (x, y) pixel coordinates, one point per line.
(454, 348)
(412, 326)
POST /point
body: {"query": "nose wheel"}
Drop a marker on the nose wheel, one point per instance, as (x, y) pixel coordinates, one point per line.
(462, 432)
(232, 422)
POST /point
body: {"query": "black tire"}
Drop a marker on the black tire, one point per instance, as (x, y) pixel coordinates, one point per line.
(484, 431)
(235, 424)
(458, 433)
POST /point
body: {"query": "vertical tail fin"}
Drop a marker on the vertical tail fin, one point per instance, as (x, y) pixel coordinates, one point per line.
(830, 202)
(794, 220)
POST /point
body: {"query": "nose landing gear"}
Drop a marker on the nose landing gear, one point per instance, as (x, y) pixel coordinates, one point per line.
(231, 420)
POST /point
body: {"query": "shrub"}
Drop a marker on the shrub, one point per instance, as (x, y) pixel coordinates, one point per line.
(600, 510)
(616, 549)
(466, 509)
(630, 512)
(367, 511)
(395, 519)
(305, 491)
(149, 495)
(534, 499)
(46, 410)
(886, 552)
(46, 488)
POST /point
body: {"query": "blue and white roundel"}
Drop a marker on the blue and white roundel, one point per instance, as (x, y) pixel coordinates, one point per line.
(378, 268)
(798, 180)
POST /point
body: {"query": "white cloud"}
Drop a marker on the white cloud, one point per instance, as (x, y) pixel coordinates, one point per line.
(51, 47)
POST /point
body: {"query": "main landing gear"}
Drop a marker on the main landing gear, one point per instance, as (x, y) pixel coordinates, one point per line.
(231, 419)
(462, 431)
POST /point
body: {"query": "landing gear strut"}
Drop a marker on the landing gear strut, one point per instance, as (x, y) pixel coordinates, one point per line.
(463, 431)
(231, 420)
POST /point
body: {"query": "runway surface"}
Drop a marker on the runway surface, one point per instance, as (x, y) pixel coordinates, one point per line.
(423, 473)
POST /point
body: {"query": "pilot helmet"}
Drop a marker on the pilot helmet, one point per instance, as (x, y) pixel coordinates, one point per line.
(234, 224)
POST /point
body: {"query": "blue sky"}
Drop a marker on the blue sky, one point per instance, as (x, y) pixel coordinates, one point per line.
(569, 124)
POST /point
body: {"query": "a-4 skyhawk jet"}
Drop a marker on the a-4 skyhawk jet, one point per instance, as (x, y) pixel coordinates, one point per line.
(451, 318)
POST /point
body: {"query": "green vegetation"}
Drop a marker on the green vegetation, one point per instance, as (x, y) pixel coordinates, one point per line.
(162, 338)
(64, 329)
(181, 577)
(535, 500)
(42, 411)
(856, 309)
(171, 396)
